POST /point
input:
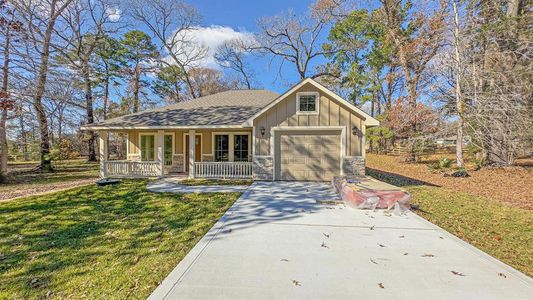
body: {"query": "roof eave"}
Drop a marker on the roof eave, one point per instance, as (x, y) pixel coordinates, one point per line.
(112, 127)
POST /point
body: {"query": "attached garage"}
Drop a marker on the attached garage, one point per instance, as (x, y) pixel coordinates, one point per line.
(313, 155)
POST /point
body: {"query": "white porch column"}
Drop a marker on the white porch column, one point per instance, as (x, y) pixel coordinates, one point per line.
(192, 151)
(160, 156)
(102, 144)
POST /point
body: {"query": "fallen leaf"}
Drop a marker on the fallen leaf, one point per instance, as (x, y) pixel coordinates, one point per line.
(405, 253)
(428, 255)
(283, 259)
(457, 273)
(296, 282)
(401, 236)
(326, 235)
(381, 285)
(497, 237)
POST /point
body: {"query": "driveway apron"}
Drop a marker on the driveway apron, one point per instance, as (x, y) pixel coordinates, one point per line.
(280, 241)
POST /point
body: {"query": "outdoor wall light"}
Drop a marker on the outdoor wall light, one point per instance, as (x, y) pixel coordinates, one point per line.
(355, 130)
(262, 130)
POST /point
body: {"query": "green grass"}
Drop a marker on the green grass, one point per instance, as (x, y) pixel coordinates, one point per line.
(113, 242)
(501, 230)
(22, 174)
(216, 182)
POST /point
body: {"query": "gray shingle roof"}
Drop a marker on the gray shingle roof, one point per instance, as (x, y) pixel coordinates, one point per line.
(225, 108)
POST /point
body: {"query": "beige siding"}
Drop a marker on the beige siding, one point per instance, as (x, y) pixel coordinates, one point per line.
(207, 138)
(331, 113)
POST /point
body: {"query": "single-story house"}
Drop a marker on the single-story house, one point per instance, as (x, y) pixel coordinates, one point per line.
(307, 133)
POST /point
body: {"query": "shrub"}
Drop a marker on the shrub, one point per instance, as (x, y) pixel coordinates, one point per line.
(445, 163)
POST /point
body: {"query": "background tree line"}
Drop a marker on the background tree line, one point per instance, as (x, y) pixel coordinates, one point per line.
(425, 69)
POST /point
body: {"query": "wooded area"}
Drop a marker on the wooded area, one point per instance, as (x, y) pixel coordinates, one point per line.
(426, 69)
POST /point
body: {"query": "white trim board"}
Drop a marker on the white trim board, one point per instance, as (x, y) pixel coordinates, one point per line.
(368, 120)
(97, 128)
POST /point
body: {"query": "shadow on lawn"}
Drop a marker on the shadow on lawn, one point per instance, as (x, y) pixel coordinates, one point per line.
(396, 179)
(43, 237)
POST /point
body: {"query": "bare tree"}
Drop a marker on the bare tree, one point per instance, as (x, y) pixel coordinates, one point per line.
(172, 23)
(41, 17)
(297, 39)
(11, 31)
(232, 55)
(87, 23)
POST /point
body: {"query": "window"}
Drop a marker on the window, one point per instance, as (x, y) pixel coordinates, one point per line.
(168, 150)
(221, 147)
(307, 102)
(147, 147)
(240, 148)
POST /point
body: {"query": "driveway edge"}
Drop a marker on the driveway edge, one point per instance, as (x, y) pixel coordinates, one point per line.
(523, 277)
(186, 263)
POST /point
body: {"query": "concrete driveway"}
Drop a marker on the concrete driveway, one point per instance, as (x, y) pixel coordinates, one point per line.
(277, 242)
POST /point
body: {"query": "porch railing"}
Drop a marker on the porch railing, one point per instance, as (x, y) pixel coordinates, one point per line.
(223, 169)
(124, 168)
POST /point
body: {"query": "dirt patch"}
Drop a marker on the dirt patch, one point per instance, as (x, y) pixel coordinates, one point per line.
(510, 185)
(39, 189)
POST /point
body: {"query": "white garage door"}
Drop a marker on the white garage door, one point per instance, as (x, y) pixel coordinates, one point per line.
(307, 155)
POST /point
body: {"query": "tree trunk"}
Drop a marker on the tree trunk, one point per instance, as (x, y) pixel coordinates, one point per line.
(458, 97)
(46, 160)
(3, 117)
(136, 88)
(106, 90)
(89, 106)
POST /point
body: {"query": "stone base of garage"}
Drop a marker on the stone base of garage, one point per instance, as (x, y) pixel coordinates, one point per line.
(262, 167)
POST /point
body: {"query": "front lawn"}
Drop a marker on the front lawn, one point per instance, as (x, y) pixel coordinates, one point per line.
(502, 230)
(112, 242)
(24, 180)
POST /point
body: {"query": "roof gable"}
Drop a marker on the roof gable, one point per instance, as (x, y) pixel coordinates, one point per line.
(369, 120)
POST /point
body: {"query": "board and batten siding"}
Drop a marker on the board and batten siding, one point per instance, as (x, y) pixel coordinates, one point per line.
(331, 113)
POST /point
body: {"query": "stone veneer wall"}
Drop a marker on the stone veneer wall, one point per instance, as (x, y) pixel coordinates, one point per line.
(262, 168)
(353, 165)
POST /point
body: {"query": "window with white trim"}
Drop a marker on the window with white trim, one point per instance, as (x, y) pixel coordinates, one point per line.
(147, 147)
(222, 147)
(307, 103)
(240, 148)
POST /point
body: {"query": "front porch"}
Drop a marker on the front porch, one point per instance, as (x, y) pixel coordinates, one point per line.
(188, 153)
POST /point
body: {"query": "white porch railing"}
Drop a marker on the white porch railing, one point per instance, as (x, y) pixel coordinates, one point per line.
(223, 169)
(125, 168)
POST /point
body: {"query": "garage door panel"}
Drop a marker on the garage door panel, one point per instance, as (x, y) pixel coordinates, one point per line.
(308, 156)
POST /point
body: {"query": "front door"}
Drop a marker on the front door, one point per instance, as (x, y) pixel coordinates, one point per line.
(197, 150)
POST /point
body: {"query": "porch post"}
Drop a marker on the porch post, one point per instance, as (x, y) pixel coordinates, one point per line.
(160, 156)
(102, 144)
(192, 151)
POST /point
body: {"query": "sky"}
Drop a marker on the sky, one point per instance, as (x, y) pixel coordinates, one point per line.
(236, 18)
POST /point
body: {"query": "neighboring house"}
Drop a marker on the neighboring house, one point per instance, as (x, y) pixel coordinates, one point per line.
(307, 133)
